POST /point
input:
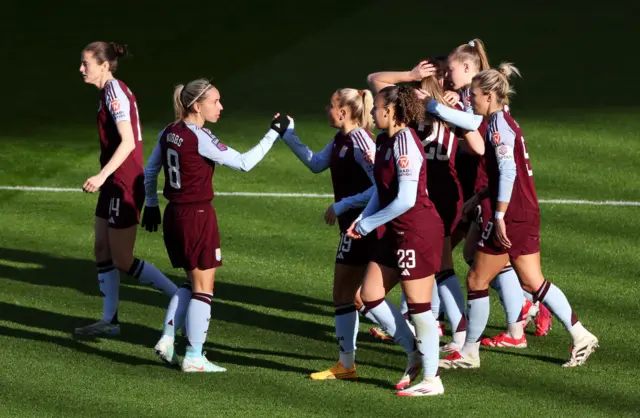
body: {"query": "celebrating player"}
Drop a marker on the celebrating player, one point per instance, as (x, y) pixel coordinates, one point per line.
(464, 63)
(188, 153)
(513, 233)
(349, 156)
(440, 145)
(121, 185)
(411, 248)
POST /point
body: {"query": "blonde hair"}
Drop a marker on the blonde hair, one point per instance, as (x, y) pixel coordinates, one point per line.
(497, 81)
(184, 97)
(360, 102)
(473, 51)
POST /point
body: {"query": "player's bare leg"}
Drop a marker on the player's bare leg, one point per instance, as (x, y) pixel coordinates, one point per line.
(346, 283)
(109, 283)
(198, 317)
(485, 267)
(122, 242)
(530, 273)
(518, 311)
(379, 280)
(418, 293)
(451, 297)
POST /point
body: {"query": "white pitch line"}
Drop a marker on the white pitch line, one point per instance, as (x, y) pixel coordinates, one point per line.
(325, 195)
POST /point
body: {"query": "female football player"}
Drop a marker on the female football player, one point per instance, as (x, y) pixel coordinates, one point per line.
(513, 232)
(120, 183)
(465, 62)
(410, 250)
(188, 153)
(349, 156)
(440, 145)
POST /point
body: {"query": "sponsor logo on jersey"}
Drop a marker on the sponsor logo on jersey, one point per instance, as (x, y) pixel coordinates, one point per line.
(115, 105)
(343, 151)
(218, 254)
(405, 272)
(340, 256)
(215, 141)
(369, 157)
(386, 157)
(495, 137)
(403, 161)
(502, 150)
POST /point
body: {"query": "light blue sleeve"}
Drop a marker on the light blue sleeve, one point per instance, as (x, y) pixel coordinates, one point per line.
(507, 170)
(406, 198)
(359, 200)
(405, 149)
(464, 120)
(316, 162)
(212, 149)
(151, 171)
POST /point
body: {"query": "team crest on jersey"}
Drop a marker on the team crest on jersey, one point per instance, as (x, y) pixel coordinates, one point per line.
(403, 161)
(115, 105)
(343, 151)
(386, 157)
(496, 137)
(369, 157)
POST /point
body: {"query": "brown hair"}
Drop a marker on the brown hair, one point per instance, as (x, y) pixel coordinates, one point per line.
(184, 97)
(408, 108)
(473, 51)
(107, 52)
(497, 81)
(360, 102)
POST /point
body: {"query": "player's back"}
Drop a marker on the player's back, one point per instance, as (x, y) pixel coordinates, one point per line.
(188, 175)
(347, 175)
(440, 147)
(117, 104)
(394, 151)
(503, 131)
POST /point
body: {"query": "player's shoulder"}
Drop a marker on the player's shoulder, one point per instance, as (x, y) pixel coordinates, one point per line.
(205, 134)
(361, 138)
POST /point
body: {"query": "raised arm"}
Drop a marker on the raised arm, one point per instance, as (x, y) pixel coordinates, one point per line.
(378, 81)
(212, 149)
(459, 118)
(316, 162)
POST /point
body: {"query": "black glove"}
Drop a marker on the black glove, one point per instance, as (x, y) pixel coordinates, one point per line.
(151, 218)
(280, 124)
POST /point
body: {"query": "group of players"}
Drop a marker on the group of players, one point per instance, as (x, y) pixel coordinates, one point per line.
(450, 164)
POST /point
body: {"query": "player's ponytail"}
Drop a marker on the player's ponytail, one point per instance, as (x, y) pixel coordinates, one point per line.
(474, 52)
(366, 119)
(360, 103)
(178, 108)
(185, 96)
(107, 52)
(407, 107)
(497, 82)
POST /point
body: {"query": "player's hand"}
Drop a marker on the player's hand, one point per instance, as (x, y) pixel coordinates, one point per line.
(330, 216)
(451, 97)
(501, 233)
(422, 70)
(280, 123)
(470, 206)
(421, 94)
(351, 232)
(94, 183)
(151, 218)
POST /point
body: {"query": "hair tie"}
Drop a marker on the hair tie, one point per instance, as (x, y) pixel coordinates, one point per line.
(472, 43)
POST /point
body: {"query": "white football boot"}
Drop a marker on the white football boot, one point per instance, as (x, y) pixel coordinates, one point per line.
(200, 365)
(165, 349)
(430, 386)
